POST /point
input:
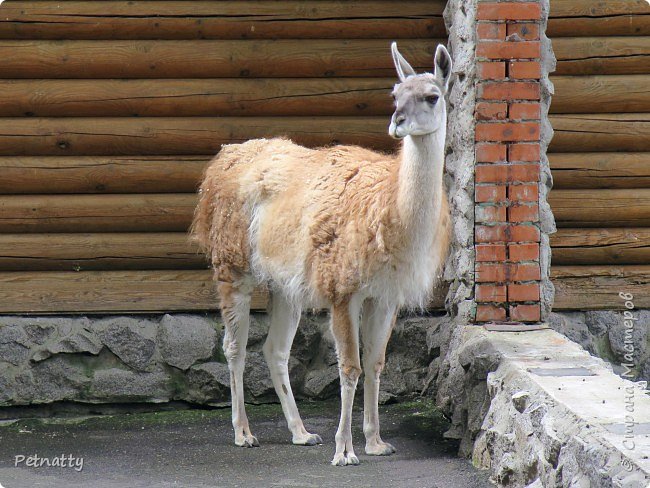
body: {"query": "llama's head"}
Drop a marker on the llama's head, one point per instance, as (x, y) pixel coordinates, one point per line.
(420, 98)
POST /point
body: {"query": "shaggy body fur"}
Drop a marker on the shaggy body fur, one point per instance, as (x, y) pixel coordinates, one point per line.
(340, 227)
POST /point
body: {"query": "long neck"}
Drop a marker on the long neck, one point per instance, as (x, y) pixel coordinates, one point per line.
(420, 188)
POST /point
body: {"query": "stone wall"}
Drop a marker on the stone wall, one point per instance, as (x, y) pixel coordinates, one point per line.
(178, 357)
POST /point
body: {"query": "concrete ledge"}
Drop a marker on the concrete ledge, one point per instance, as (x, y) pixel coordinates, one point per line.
(549, 414)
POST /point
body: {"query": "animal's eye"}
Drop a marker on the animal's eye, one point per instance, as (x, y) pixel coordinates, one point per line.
(431, 99)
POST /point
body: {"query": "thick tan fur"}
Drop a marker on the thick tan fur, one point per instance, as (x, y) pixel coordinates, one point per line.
(334, 207)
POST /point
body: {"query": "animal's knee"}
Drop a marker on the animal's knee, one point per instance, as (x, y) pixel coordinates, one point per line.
(274, 355)
(350, 372)
(233, 350)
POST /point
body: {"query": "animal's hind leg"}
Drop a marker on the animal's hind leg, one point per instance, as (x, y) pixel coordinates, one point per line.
(284, 322)
(235, 311)
(377, 322)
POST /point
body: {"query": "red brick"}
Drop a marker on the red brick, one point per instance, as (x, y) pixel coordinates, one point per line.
(490, 252)
(524, 152)
(491, 111)
(524, 173)
(490, 153)
(523, 272)
(508, 131)
(525, 30)
(523, 292)
(506, 272)
(504, 173)
(523, 252)
(523, 193)
(509, 90)
(525, 70)
(524, 111)
(508, 11)
(487, 313)
(525, 313)
(491, 293)
(491, 30)
(489, 213)
(490, 193)
(523, 213)
(508, 49)
(506, 233)
(492, 70)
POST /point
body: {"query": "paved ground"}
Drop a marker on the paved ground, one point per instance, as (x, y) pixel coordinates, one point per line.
(193, 448)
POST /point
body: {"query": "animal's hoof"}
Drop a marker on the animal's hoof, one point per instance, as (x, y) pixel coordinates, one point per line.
(308, 440)
(380, 449)
(345, 459)
(247, 441)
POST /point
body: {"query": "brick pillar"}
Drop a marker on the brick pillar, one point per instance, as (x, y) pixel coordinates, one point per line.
(508, 161)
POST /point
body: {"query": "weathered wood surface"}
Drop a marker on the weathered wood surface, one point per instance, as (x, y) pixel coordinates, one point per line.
(598, 287)
(100, 251)
(83, 174)
(572, 18)
(221, 19)
(598, 94)
(600, 132)
(210, 59)
(179, 135)
(600, 170)
(96, 213)
(110, 291)
(601, 208)
(196, 97)
(602, 55)
(601, 246)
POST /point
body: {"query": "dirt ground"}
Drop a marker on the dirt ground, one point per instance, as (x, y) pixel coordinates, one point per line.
(194, 448)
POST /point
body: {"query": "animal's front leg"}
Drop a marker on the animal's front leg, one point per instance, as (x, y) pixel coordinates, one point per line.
(345, 328)
(377, 323)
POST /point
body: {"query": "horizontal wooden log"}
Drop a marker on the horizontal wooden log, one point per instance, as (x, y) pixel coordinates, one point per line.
(141, 174)
(598, 94)
(96, 213)
(101, 251)
(598, 287)
(110, 291)
(601, 246)
(205, 98)
(600, 170)
(297, 58)
(601, 208)
(600, 132)
(572, 18)
(221, 19)
(179, 135)
(602, 55)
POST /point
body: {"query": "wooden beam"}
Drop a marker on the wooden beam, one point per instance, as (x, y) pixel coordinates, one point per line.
(598, 287)
(600, 94)
(601, 246)
(84, 174)
(601, 208)
(600, 132)
(196, 97)
(573, 18)
(179, 135)
(110, 291)
(96, 213)
(297, 58)
(600, 170)
(98, 252)
(221, 19)
(602, 55)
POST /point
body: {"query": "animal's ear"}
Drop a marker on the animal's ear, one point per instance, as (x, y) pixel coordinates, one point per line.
(404, 69)
(442, 63)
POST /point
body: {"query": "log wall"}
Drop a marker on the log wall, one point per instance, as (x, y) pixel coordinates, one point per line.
(600, 152)
(110, 110)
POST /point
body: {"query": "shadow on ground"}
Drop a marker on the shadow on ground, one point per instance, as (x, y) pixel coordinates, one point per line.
(194, 448)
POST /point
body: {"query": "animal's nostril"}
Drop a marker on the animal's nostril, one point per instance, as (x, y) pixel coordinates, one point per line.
(399, 119)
